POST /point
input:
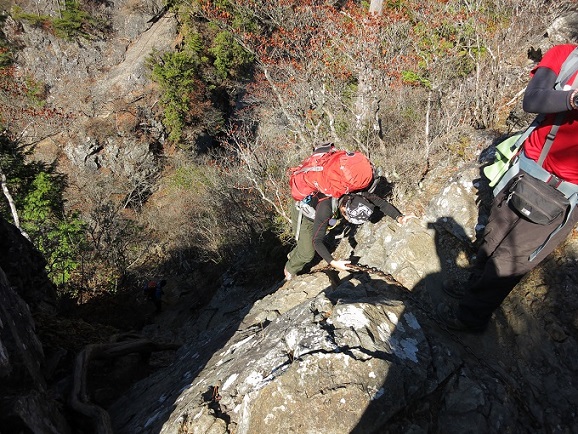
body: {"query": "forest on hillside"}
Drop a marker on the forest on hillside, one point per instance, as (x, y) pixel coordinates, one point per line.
(249, 88)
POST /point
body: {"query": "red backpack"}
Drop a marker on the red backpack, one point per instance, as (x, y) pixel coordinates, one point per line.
(331, 172)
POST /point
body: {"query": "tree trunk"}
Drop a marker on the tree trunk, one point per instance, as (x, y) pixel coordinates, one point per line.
(376, 7)
(367, 104)
(12, 205)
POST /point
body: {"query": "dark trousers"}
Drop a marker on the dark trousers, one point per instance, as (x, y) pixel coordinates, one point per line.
(503, 258)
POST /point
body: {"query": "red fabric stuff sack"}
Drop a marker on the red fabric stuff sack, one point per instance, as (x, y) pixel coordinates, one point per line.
(332, 172)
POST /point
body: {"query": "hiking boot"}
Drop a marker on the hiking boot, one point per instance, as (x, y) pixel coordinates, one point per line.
(448, 317)
(453, 288)
(288, 276)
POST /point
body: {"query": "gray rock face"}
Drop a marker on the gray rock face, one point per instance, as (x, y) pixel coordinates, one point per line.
(26, 404)
(564, 28)
(102, 86)
(352, 347)
(360, 354)
(367, 354)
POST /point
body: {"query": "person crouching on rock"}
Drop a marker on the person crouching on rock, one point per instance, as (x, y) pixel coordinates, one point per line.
(312, 217)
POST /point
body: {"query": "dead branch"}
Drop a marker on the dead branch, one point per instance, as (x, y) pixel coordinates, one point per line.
(79, 398)
(11, 204)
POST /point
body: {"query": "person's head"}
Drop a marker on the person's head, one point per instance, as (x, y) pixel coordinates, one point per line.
(355, 208)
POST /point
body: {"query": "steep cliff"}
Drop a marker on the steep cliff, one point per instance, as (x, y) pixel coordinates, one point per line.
(363, 352)
(26, 402)
(356, 352)
(99, 87)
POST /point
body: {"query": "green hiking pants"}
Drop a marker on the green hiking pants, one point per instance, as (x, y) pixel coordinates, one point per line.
(303, 252)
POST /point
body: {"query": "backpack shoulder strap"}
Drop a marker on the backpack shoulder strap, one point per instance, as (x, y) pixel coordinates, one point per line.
(334, 206)
(550, 137)
(568, 68)
(514, 161)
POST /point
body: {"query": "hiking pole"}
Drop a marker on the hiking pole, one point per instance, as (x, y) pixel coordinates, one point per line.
(298, 224)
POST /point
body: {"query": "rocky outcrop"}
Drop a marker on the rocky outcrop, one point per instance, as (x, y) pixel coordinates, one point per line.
(32, 398)
(359, 352)
(26, 404)
(364, 352)
(24, 268)
(100, 87)
(353, 353)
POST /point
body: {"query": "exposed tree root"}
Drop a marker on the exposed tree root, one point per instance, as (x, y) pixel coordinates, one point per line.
(79, 398)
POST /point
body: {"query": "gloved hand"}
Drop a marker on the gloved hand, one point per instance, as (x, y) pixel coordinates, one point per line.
(340, 265)
(402, 220)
